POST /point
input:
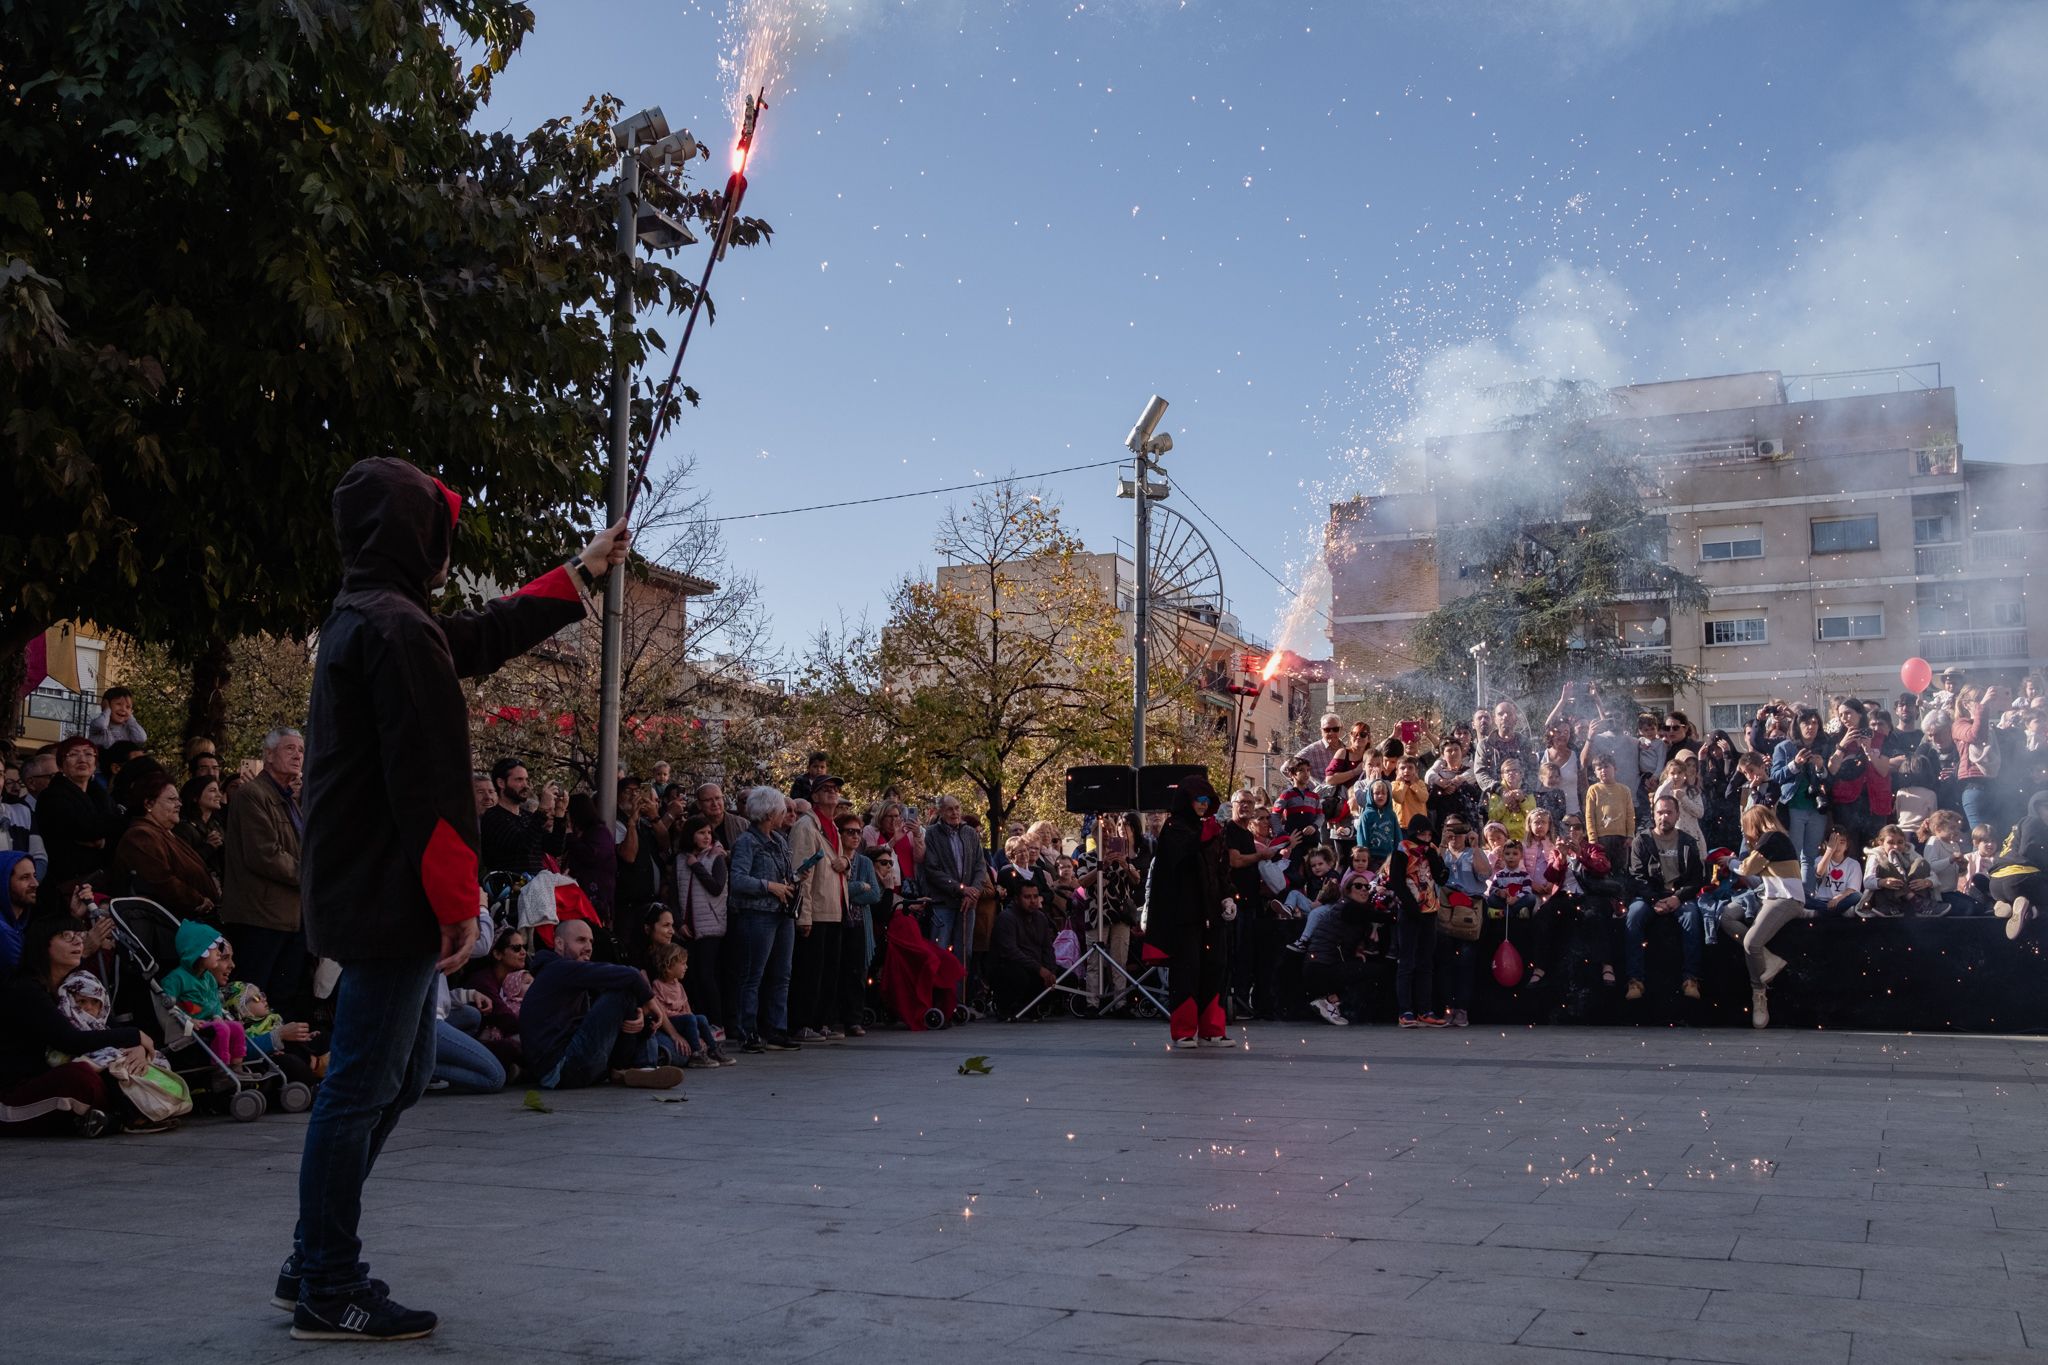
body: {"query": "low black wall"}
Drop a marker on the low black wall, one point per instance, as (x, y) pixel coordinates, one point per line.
(1925, 975)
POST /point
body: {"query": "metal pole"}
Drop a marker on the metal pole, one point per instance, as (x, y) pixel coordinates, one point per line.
(621, 460)
(1142, 612)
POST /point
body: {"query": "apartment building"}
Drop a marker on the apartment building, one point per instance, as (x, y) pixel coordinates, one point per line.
(1836, 536)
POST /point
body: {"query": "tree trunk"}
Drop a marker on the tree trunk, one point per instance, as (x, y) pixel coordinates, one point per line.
(206, 705)
(16, 634)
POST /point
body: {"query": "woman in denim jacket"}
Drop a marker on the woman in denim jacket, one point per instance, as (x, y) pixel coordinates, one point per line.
(760, 900)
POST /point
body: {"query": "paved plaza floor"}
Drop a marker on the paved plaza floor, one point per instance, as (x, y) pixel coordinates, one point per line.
(1534, 1197)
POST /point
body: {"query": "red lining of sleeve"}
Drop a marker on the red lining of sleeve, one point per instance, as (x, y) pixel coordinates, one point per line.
(554, 583)
(448, 871)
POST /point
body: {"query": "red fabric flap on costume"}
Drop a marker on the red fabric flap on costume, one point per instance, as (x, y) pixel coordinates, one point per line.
(555, 583)
(448, 871)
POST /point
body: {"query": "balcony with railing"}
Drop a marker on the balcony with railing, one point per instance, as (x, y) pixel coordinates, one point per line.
(53, 702)
(2004, 548)
(1934, 560)
(1974, 646)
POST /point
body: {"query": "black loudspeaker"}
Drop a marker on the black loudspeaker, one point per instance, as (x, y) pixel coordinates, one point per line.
(1159, 783)
(1101, 790)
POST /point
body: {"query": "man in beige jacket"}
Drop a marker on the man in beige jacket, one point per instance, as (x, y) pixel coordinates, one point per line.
(260, 893)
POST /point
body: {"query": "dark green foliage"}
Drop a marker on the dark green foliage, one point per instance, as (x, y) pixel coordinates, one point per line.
(245, 244)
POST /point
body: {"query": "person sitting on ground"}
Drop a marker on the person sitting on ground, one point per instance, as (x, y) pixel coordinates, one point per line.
(584, 1022)
(1773, 862)
(19, 889)
(33, 1029)
(1667, 874)
(1021, 948)
(504, 980)
(683, 1034)
(1896, 879)
(204, 961)
(165, 867)
(1838, 877)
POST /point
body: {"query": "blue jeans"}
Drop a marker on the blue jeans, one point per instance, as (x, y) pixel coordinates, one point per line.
(953, 930)
(463, 1062)
(380, 1058)
(597, 1048)
(1817, 902)
(765, 941)
(1808, 829)
(1979, 804)
(696, 1032)
(1691, 936)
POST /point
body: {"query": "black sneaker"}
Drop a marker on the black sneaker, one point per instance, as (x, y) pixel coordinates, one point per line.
(366, 1315)
(782, 1042)
(753, 1045)
(286, 1295)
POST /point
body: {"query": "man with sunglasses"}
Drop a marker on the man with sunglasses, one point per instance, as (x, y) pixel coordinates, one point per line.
(1318, 754)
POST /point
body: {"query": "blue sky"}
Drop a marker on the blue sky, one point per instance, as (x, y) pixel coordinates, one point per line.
(1314, 228)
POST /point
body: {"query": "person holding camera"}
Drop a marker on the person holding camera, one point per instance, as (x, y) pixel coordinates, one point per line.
(1799, 767)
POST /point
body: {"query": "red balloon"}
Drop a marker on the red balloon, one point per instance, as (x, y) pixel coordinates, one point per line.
(1507, 965)
(1916, 673)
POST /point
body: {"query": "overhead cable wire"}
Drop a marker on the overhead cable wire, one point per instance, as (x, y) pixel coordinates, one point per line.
(920, 493)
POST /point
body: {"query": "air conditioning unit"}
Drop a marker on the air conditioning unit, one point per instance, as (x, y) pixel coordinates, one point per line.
(1768, 449)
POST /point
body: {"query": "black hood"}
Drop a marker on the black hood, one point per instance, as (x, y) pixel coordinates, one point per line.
(395, 524)
(1184, 800)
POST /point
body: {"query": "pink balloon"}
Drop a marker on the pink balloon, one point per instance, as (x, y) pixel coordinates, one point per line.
(1916, 673)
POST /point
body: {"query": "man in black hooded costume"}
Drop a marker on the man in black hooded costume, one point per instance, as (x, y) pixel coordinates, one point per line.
(389, 863)
(1188, 908)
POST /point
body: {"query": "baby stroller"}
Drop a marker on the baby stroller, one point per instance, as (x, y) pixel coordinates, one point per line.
(145, 933)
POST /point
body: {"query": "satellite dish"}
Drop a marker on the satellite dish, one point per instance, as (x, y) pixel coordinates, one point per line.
(1186, 601)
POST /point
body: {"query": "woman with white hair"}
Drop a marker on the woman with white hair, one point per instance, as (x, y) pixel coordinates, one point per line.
(761, 908)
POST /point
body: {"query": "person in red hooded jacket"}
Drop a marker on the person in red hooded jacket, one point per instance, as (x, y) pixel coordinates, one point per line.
(388, 866)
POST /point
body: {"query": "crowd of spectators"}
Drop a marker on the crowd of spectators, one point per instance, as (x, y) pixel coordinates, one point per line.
(1582, 839)
(762, 919)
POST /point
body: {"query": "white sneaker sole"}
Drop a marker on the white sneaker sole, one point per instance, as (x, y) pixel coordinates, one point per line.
(1773, 964)
(315, 1334)
(2016, 922)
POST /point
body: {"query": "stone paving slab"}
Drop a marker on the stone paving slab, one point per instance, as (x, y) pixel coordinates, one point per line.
(1328, 1197)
